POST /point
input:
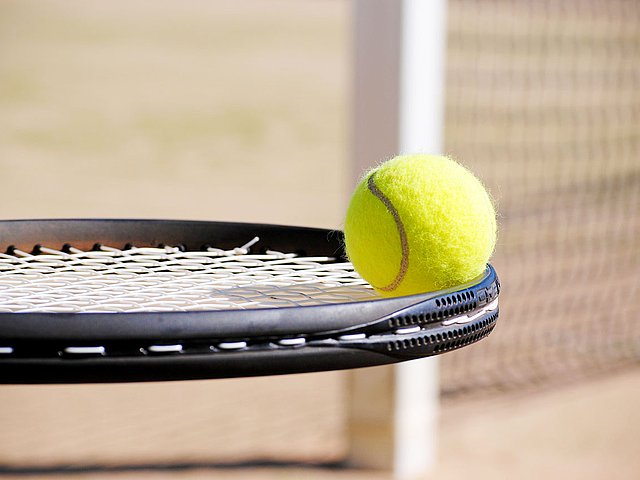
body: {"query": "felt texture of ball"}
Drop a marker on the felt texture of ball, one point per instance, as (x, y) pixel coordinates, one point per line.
(419, 223)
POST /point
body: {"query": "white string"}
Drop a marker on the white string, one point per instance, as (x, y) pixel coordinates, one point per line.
(168, 279)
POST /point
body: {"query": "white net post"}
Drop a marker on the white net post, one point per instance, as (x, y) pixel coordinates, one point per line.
(399, 49)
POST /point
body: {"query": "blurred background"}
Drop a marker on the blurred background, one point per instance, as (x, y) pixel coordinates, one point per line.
(223, 110)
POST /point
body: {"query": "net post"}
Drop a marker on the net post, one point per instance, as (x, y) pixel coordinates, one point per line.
(398, 104)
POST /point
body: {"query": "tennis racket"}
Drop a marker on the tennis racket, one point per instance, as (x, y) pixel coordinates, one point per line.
(149, 300)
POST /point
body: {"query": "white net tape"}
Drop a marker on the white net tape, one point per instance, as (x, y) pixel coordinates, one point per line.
(169, 279)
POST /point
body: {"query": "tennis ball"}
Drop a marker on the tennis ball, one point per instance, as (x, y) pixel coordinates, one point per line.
(419, 223)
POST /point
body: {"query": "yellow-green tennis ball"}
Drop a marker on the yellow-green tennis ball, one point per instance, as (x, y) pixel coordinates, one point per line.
(419, 223)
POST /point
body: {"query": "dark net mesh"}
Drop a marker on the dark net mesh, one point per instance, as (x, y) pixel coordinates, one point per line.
(543, 102)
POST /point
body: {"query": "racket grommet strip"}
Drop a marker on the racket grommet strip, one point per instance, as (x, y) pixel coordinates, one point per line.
(231, 345)
(176, 348)
(407, 330)
(292, 342)
(84, 351)
(352, 337)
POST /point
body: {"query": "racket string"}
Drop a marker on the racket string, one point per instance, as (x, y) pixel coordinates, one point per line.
(167, 278)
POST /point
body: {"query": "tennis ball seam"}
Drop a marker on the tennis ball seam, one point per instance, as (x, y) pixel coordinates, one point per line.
(404, 243)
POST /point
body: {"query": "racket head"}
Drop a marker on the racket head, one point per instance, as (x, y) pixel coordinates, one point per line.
(40, 346)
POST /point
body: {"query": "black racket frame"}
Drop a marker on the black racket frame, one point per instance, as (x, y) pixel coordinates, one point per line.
(50, 347)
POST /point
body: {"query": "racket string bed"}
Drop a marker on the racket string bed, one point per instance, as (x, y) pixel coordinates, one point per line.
(167, 278)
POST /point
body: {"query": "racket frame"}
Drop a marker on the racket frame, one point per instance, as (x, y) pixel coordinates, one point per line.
(45, 347)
